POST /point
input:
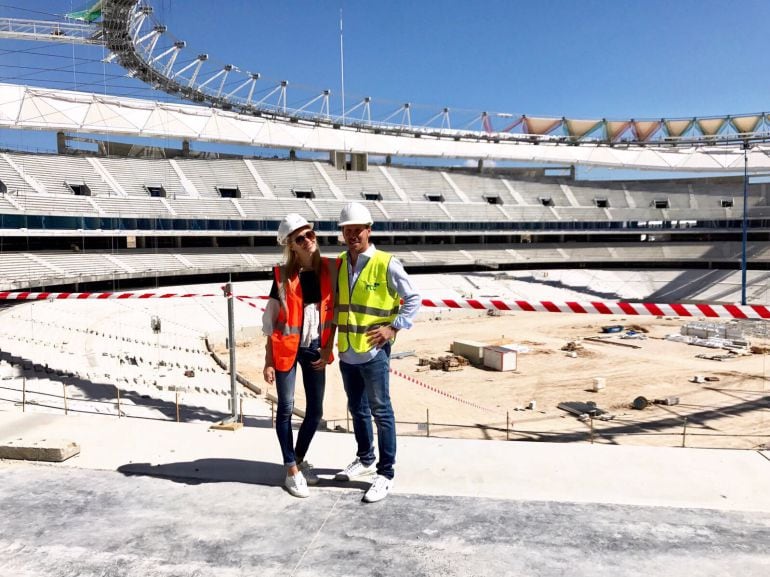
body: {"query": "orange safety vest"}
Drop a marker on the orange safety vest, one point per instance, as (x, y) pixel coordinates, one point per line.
(288, 328)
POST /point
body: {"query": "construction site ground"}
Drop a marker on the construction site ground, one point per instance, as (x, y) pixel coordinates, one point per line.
(729, 410)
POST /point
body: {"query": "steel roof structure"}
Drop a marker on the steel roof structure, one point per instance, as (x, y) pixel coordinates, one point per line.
(238, 113)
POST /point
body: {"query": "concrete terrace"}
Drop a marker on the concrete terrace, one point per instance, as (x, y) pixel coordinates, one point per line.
(154, 498)
(157, 498)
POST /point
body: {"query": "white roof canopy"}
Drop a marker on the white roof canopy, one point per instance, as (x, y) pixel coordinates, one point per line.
(29, 108)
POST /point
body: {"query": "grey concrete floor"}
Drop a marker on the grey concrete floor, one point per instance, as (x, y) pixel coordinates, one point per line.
(59, 522)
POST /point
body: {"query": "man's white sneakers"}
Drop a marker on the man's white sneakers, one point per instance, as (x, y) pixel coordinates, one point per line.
(296, 485)
(355, 470)
(379, 489)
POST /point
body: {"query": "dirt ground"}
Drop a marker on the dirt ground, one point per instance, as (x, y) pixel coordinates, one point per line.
(731, 409)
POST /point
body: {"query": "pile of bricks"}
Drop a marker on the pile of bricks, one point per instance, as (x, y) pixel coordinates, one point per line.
(447, 363)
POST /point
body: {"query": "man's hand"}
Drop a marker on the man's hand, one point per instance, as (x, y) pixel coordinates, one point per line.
(268, 373)
(377, 337)
(321, 363)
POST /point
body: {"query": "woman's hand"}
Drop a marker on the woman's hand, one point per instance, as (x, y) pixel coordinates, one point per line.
(268, 373)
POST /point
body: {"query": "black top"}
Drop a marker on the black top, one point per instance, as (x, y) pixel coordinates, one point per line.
(311, 287)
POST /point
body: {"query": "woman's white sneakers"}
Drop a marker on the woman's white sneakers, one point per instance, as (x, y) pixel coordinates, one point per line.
(307, 470)
(297, 485)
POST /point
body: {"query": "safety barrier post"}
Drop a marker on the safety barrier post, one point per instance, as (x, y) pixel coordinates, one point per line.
(228, 290)
(176, 391)
(427, 422)
(684, 431)
(24, 394)
(117, 393)
(507, 425)
(64, 394)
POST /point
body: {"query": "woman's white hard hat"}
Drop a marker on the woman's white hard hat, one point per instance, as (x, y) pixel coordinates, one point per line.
(289, 224)
(355, 213)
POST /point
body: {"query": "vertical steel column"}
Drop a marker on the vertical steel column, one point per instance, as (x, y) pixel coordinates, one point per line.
(228, 288)
(745, 226)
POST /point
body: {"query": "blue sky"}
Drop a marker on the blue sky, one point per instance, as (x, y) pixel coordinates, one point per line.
(615, 59)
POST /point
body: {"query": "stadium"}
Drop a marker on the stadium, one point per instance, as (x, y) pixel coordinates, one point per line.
(140, 246)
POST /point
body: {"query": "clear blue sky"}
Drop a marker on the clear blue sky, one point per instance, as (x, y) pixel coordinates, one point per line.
(616, 59)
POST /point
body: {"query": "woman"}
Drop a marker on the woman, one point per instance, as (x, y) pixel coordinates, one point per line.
(298, 323)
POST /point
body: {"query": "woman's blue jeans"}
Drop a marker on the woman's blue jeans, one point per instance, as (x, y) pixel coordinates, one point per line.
(368, 388)
(315, 384)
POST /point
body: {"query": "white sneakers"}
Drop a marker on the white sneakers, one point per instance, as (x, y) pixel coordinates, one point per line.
(297, 485)
(355, 470)
(379, 489)
(307, 471)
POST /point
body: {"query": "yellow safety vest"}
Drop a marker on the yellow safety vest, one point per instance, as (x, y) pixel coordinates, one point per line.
(371, 304)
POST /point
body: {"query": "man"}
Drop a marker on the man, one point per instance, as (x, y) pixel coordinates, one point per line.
(371, 284)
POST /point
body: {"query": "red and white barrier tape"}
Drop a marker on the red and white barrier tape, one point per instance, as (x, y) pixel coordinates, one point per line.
(439, 391)
(609, 308)
(41, 296)
(601, 308)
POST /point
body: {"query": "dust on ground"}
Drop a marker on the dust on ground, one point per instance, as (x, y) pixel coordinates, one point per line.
(731, 409)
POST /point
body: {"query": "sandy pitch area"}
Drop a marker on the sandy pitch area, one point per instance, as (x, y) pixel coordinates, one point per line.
(733, 411)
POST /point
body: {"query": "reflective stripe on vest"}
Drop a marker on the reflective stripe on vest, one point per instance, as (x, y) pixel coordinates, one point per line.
(371, 303)
(287, 330)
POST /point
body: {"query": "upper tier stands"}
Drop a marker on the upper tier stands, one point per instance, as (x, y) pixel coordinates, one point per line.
(206, 176)
(285, 177)
(418, 183)
(478, 188)
(354, 184)
(56, 174)
(134, 175)
(42, 184)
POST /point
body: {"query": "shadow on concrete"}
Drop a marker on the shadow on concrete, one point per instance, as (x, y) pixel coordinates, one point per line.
(216, 470)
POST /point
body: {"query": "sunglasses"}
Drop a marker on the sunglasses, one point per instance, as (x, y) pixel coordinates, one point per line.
(301, 238)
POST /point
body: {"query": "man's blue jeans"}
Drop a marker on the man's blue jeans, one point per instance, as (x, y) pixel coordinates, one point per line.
(368, 388)
(315, 385)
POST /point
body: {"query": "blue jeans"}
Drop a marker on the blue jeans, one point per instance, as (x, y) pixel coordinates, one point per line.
(368, 388)
(315, 384)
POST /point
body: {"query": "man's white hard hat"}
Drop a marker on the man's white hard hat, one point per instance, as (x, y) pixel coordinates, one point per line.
(355, 213)
(289, 224)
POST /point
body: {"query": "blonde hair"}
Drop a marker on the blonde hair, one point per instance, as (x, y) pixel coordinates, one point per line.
(290, 267)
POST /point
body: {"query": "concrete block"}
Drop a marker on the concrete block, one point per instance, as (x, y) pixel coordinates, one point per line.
(53, 450)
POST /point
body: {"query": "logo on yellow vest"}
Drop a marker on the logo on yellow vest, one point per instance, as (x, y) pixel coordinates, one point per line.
(371, 287)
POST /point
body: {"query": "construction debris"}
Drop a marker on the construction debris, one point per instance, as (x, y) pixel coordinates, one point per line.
(727, 357)
(402, 354)
(609, 342)
(585, 411)
(572, 346)
(712, 335)
(446, 363)
(640, 403)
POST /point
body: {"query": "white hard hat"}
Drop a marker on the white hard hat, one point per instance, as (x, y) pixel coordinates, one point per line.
(355, 213)
(289, 224)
